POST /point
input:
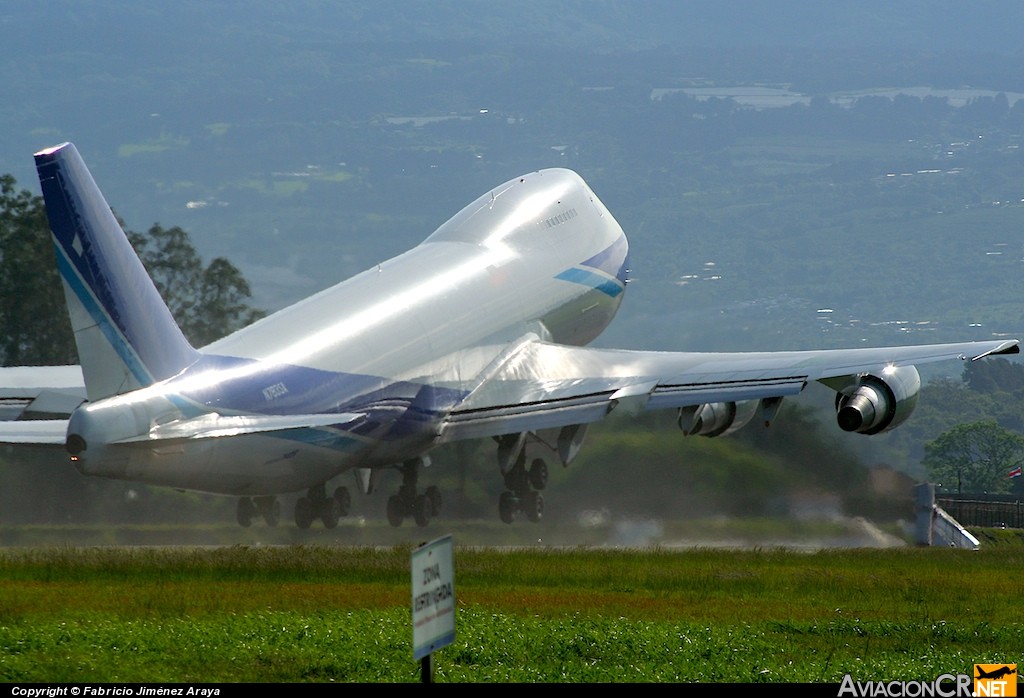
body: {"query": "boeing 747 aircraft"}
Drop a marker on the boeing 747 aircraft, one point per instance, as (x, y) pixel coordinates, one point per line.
(477, 332)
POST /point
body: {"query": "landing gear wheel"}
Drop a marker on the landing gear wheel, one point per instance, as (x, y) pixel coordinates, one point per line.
(246, 511)
(533, 505)
(434, 495)
(304, 513)
(330, 512)
(395, 510)
(507, 504)
(517, 479)
(422, 509)
(344, 500)
(269, 508)
(538, 474)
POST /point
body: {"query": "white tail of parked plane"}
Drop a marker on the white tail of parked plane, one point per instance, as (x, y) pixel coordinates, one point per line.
(479, 331)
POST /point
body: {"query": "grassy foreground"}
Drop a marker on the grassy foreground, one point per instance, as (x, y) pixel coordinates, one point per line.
(334, 613)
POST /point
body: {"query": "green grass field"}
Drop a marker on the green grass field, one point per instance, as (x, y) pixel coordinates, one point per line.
(342, 613)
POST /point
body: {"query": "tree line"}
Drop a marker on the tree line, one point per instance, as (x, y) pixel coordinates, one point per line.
(980, 448)
(208, 300)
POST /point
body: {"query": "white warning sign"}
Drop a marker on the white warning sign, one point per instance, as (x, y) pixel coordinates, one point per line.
(433, 597)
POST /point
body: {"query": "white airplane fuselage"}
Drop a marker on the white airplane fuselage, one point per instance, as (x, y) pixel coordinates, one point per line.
(390, 351)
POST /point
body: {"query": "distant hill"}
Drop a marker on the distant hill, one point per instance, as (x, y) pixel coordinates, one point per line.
(308, 141)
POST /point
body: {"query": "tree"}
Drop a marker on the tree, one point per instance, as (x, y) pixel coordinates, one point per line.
(994, 375)
(207, 301)
(974, 457)
(31, 333)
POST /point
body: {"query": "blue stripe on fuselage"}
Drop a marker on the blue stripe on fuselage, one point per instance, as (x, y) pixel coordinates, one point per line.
(392, 409)
(606, 271)
(591, 279)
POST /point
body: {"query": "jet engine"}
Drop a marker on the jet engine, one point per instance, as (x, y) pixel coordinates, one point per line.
(874, 404)
(716, 418)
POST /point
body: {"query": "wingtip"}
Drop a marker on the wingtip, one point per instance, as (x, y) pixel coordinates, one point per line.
(1011, 346)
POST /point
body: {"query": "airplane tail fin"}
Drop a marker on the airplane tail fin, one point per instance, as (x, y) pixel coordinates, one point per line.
(125, 334)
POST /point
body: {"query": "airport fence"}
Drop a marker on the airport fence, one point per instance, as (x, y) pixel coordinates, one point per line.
(989, 511)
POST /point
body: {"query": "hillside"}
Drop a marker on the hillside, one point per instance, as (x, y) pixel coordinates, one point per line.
(803, 187)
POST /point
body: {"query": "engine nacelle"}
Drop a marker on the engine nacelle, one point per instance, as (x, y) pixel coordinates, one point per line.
(879, 403)
(716, 418)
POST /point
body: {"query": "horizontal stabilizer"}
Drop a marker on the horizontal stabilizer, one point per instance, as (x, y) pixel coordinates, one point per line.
(53, 402)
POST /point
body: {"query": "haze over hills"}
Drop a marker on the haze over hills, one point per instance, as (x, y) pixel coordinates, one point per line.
(803, 174)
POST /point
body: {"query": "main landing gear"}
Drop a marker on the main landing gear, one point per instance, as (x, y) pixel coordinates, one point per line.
(523, 484)
(408, 501)
(267, 507)
(317, 505)
(522, 492)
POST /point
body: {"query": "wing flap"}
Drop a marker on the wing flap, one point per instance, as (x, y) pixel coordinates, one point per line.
(512, 418)
(671, 395)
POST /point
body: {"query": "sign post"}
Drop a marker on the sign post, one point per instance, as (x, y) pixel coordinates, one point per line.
(433, 601)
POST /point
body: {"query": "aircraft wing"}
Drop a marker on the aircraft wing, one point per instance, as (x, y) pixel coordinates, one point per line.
(543, 386)
(533, 386)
